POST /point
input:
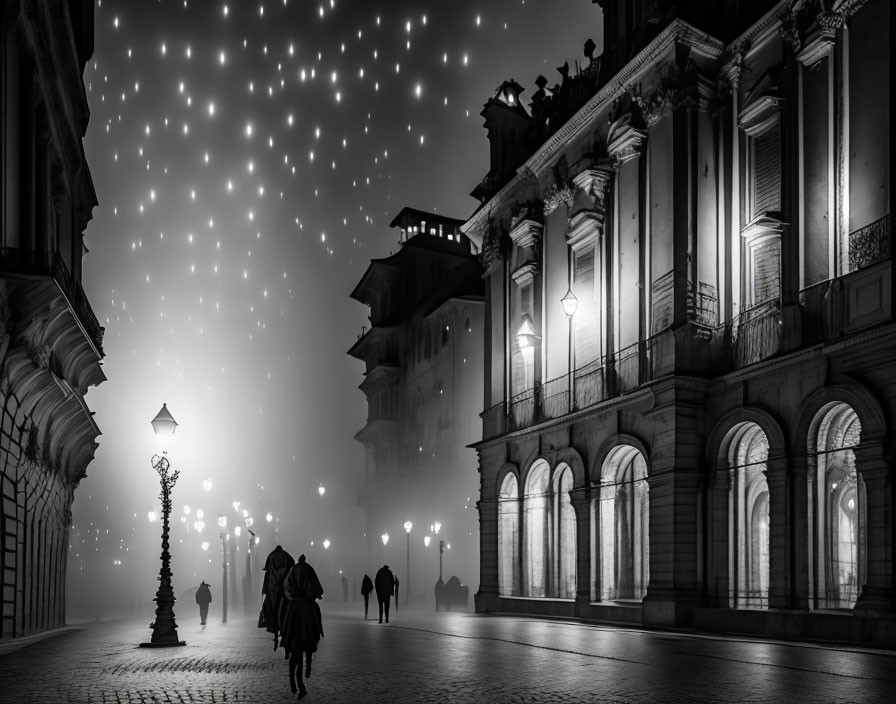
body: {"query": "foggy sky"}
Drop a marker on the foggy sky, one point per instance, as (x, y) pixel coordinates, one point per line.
(247, 158)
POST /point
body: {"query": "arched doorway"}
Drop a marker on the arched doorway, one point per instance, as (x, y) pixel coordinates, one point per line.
(564, 535)
(622, 526)
(509, 537)
(535, 517)
(748, 502)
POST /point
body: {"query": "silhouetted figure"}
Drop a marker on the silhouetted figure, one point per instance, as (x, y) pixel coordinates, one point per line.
(384, 582)
(344, 588)
(302, 626)
(366, 588)
(203, 598)
(276, 567)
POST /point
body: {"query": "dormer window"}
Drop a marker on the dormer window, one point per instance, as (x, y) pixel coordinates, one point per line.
(509, 93)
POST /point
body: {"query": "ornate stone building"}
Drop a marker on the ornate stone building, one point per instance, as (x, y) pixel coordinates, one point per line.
(423, 382)
(690, 383)
(50, 340)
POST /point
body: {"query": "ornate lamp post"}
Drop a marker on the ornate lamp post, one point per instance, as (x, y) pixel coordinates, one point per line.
(222, 533)
(164, 628)
(570, 304)
(407, 592)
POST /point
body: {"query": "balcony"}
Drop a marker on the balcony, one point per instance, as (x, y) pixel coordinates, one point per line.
(17, 263)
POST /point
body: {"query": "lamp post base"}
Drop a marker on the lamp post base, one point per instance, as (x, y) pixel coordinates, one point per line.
(163, 644)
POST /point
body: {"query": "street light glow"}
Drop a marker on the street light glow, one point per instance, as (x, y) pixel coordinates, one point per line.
(385, 538)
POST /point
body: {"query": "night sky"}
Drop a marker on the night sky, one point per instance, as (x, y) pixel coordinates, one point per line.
(248, 158)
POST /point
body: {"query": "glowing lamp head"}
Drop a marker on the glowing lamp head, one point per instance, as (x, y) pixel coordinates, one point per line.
(163, 425)
(427, 539)
(321, 490)
(385, 538)
(436, 527)
(570, 303)
(326, 544)
(222, 522)
(407, 526)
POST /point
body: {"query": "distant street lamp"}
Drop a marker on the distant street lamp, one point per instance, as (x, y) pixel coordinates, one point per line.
(321, 490)
(385, 538)
(164, 628)
(570, 304)
(407, 592)
(222, 533)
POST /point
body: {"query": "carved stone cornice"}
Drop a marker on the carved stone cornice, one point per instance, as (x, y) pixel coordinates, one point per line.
(761, 228)
(822, 38)
(526, 233)
(760, 114)
(624, 142)
(525, 274)
(586, 227)
(594, 182)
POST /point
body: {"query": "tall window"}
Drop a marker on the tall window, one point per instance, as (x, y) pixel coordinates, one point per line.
(749, 517)
(586, 327)
(508, 537)
(564, 535)
(839, 510)
(622, 518)
(535, 515)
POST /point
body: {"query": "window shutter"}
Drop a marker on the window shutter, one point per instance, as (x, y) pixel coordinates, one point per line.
(767, 271)
(586, 315)
(767, 171)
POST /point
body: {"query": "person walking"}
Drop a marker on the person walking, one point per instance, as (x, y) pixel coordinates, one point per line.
(302, 624)
(366, 588)
(203, 598)
(276, 567)
(384, 583)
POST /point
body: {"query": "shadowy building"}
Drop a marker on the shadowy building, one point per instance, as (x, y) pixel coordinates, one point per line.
(423, 382)
(690, 382)
(50, 340)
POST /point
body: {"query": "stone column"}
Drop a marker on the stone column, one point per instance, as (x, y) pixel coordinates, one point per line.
(780, 486)
(491, 459)
(874, 465)
(581, 504)
(799, 540)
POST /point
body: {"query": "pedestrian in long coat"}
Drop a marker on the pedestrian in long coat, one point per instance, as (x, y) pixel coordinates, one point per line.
(384, 583)
(203, 598)
(366, 588)
(276, 567)
(301, 626)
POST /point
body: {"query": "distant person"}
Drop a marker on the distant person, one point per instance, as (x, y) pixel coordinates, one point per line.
(203, 598)
(384, 582)
(366, 588)
(276, 567)
(344, 588)
(302, 624)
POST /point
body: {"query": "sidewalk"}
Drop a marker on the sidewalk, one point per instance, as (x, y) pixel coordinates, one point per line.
(421, 656)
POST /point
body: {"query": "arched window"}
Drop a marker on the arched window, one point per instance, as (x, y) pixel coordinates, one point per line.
(838, 509)
(535, 515)
(748, 517)
(622, 526)
(564, 536)
(509, 537)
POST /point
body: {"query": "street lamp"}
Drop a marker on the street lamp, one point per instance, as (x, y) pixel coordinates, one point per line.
(164, 628)
(222, 533)
(407, 592)
(385, 538)
(570, 303)
(321, 490)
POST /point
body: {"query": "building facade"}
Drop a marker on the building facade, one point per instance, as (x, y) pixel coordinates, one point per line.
(50, 339)
(689, 378)
(423, 382)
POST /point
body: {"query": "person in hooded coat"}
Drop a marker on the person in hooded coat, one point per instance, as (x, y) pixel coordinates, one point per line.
(366, 588)
(203, 598)
(276, 567)
(301, 626)
(384, 582)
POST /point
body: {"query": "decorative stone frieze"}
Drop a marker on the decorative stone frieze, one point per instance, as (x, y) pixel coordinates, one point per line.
(821, 40)
(557, 196)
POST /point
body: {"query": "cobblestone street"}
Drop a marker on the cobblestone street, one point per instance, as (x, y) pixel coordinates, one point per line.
(445, 657)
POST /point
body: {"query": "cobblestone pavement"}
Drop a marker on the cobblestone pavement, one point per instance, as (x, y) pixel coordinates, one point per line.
(444, 657)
